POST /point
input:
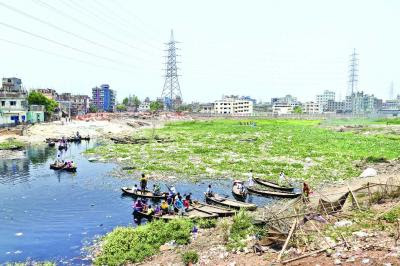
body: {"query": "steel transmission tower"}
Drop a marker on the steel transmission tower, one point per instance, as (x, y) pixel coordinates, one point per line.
(171, 93)
(353, 73)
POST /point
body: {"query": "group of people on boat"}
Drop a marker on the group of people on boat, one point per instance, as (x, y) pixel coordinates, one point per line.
(174, 204)
(64, 164)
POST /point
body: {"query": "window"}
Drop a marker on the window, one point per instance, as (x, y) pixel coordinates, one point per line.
(13, 103)
(3, 103)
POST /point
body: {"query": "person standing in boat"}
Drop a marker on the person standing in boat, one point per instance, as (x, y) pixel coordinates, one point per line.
(250, 181)
(209, 191)
(143, 183)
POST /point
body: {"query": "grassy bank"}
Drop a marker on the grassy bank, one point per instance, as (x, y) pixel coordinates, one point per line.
(224, 148)
(127, 244)
(11, 144)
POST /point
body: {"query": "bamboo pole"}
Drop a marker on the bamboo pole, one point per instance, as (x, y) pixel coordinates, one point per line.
(287, 240)
(355, 200)
(309, 254)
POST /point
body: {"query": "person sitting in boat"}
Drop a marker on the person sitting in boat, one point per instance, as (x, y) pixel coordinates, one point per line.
(209, 191)
(240, 187)
(143, 183)
(170, 199)
(139, 205)
(164, 207)
(156, 189)
(77, 135)
(250, 181)
(150, 210)
(135, 188)
(177, 196)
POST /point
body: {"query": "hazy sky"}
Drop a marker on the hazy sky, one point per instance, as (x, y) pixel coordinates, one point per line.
(259, 48)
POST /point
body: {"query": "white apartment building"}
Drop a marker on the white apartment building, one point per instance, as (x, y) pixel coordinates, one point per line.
(233, 106)
(144, 107)
(312, 108)
(282, 108)
(323, 98)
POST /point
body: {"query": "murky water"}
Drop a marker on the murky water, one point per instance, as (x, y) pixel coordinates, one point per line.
(52, 215)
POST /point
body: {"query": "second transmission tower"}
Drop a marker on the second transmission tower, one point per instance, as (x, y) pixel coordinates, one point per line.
(353, 73)
(171, 93)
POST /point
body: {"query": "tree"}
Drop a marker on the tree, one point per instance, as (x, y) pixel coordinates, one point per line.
(93, 108)
(125, 101)
(156, 106)
(297, 110)
(121, 108)
(37, 98)
(135, 102)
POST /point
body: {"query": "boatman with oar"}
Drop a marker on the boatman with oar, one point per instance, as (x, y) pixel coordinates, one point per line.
(143, 183)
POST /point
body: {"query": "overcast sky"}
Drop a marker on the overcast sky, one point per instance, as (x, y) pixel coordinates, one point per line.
(259, 48)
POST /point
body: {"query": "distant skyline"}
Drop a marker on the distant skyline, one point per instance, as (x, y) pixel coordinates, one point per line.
(258, 48)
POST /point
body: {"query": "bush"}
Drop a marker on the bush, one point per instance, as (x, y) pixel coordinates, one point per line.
(242, 226)
(127, 244)
(224, 226)
(190, 256)
(392, 215)
(206, 223)
(11, 144)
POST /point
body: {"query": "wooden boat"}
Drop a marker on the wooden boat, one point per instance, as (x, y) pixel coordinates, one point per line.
(272, 185)
(63, 167)
(189, 214)
(230, 203)
(270, 193)
(52, 144)
(236, 191)
(139, 215)
(221, 212)
(146, 194)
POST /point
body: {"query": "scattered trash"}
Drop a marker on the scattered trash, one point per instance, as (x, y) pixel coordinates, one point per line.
(369, 172)
(343, 223)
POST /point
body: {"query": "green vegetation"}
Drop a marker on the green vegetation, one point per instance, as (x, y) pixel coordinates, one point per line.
(127, 244)
(11, 144)
(241, 228)
(121, 108)
(156, 106)
(38, 98)
(224, 148)
(392, 216)
(190, 256)
(206, 223)
(297, 110)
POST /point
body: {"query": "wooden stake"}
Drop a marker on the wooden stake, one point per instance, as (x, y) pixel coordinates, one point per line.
(355, 200)
(287, 240)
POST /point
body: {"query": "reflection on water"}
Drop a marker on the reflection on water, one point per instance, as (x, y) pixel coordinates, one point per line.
(51, 215)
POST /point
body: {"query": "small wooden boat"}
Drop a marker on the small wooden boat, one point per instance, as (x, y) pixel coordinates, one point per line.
(229, 203)
(189, 214)
(146, 194)
(63, 167)
(52, 144)
(270, 193)
(272, 184)
(237, 191)
(139, 214)
(221, 212)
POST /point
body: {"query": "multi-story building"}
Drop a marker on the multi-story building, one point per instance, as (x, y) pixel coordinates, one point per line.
(289, 99)
(322, 99)
(13, 102)
(282, 108)
(104, 98)
(74, 105)
(312, 108)
(361, 103)
(334, 106)
(233, 106)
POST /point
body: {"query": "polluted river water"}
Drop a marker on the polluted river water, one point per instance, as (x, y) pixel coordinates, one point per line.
(48, 215)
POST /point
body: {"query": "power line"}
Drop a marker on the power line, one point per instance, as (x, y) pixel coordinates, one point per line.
(59, 55)
(46, 5)
(62, 30)
(103, 18)
(63, 45)
(125, 23)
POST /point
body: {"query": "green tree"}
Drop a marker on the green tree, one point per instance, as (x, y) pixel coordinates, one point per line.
(93, 108)
(37, 98)
(125, 101)
(156, 106)
(135, 102)
(297, 110)
(121, 108)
